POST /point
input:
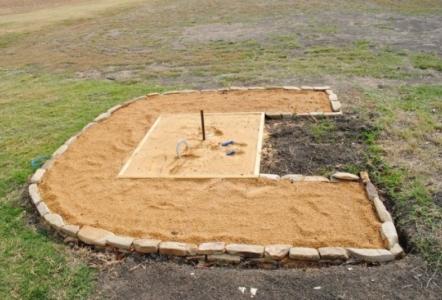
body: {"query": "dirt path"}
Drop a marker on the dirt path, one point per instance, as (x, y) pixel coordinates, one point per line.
(29, 15)
(138, 278)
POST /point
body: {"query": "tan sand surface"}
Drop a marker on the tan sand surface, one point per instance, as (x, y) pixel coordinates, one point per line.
(157, 155)
(83, 187)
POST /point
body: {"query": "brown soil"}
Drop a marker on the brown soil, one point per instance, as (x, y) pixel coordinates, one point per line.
(84, 189)
(315, 147)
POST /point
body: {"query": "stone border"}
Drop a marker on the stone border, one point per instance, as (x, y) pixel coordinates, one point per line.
(218, 252)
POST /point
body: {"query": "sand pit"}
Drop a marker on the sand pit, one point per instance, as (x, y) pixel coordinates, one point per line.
(174, 147)
(84, 189)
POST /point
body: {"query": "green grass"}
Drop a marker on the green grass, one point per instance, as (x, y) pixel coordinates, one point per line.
(427, 61)
(38, 112)
(32, 265)
(42, 105)
(410, 189)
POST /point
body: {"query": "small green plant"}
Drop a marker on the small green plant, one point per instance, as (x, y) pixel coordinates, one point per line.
(321, 128)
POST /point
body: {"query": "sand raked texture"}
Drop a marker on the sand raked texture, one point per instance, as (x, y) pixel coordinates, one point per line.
(84, 189)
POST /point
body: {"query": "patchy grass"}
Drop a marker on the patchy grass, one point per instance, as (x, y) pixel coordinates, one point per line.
(427, 61)
(57, 107)
(33, 266)
(42, 103)
(406, 159)
(38, 113)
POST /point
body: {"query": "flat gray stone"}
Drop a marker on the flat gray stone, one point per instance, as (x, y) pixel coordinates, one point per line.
(270, 176)
(336, 106)
(277, 252)
(381, 210)
(94, 236)
(140, 98)
(301, 253)
(146, 245)
(48, 164)
(88, 126)
(238, 88)
(333, 97)
(274, 87)
(56, 221)
(38, 175)
(334, 180)
(233, 259)
(120, 242)
(71, 230)
(329, 92)
(114, 108)
(189, 91)
(256, 88)
(43, 209)
(209, 91)
(102, 117)
(316, 114)
(364, 177)
(62, 149)
(223, 90)
(178, 249)
(287, 115)
(307, 87)
(291, 88)
(293, 177)
(372, 192)
(70, 141)
(397, 251)
(302, 114)
(333, 114)
(333, 253)
(321, 88)
(252, 251)
(33, 193)
(345, 176)
(316, 178)
(371, 255)
(171, 93)
(274, 115)
(153, 94)
(389, 234)
(211, 248)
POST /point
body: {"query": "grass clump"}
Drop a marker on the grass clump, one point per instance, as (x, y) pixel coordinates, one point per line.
(427, 61)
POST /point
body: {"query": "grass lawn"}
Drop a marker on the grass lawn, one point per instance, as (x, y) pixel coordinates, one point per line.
(57, 77)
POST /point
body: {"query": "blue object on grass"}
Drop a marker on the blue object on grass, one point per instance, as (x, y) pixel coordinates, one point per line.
(228, 143)
(39, 161)
(231, 152)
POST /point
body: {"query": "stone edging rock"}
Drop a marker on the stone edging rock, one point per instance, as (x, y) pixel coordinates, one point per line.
(218, 252)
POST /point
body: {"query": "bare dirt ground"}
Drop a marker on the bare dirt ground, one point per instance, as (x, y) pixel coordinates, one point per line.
(126, 48)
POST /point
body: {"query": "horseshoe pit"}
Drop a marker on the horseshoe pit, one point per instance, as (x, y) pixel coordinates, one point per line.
(88, 190)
